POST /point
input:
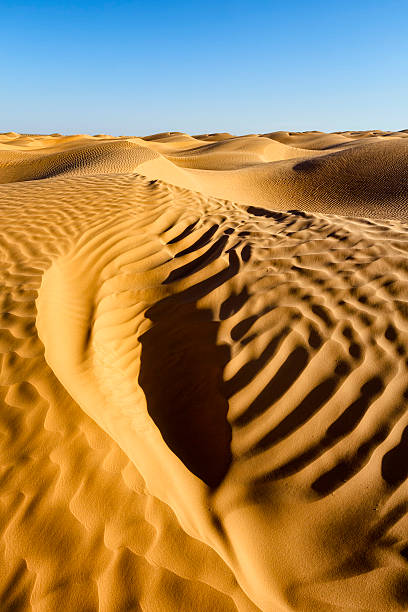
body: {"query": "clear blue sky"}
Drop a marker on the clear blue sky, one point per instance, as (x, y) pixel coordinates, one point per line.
(131, 67)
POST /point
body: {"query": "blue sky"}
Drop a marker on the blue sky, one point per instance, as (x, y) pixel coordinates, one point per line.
(130, 67)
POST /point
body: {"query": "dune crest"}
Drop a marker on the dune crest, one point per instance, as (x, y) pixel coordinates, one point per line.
(204, 372)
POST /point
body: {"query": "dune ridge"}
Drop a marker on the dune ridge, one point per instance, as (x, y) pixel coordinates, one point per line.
(204, 372)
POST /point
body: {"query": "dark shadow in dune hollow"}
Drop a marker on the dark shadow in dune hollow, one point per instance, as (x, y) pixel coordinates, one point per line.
(181, 375)
(182, 366)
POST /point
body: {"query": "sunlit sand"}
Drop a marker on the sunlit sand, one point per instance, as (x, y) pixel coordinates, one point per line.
(204, 372)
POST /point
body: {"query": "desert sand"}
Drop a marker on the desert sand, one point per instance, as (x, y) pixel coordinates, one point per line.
(204, 372)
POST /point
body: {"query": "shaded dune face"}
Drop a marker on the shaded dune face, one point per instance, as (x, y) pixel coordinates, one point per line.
(181, 372)
(370, 174)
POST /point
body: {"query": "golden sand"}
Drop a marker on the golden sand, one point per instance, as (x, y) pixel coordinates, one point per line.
(204, 372)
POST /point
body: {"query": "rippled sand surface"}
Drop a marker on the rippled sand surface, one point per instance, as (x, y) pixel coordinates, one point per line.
(204, 372)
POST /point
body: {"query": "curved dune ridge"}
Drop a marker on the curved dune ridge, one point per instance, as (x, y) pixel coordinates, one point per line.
(204, 372)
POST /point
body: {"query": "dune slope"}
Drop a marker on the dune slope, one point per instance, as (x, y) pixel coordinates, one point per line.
(204, 372)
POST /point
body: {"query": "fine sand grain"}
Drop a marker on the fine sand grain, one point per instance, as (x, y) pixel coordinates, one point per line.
(204, 372)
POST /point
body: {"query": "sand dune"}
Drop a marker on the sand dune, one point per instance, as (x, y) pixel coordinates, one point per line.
(204, 372)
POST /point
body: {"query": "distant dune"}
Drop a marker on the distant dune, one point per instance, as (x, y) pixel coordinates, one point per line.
(204, 372)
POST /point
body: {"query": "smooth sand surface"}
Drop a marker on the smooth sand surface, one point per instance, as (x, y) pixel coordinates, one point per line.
(204, 372)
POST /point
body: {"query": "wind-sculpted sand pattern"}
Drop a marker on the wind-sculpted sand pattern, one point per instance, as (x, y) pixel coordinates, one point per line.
(203, 399)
